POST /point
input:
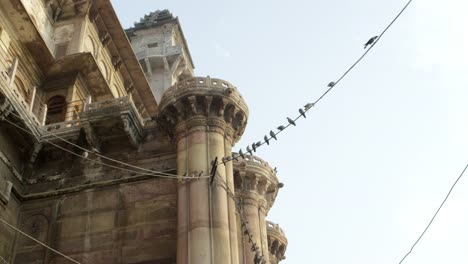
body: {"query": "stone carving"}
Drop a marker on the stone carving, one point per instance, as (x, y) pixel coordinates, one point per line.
(204, 102)
(277, 242)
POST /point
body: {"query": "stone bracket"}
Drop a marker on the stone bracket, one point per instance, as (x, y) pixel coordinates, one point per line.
(5, 192)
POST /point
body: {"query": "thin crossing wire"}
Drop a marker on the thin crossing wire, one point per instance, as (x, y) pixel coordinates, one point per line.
(154, 174)
(309, 106)
(435, 215)
(157, 173)
(37, 241)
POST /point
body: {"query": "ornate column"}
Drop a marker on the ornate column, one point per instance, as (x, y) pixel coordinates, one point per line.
(256, 186)
(277, 242)
(205, 117)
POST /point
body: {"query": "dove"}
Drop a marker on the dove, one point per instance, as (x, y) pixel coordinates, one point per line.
(281, 128)
(291, 121)
(308, 106)
(302, 112)
(241, 153)
(266, 140)
(254, 147)
(249, 150)
(273, 135)
(370, 41)
(331, 84)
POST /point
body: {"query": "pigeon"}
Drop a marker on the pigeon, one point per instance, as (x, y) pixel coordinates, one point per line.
(235, 157)
(266, 140)
(273, 135)
(370, 41)
(241, 153)
(259, 143)
(331, 84)
(249, 150)
(302, 112)
(291, 121)
(254, 147)
(308, 106)
(226, 159)
(281, 128)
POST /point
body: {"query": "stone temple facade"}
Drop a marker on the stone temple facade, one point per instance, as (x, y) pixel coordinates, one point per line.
(90, 114)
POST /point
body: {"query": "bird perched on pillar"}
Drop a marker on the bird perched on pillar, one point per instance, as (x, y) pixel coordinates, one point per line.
(370, 41)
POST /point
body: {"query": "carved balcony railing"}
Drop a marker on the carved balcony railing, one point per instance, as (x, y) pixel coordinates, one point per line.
(158, 52)
(277, 242)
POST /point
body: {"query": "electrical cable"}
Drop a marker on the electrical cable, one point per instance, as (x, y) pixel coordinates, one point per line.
(39, 242)
(164, 175)
(435, 215)
(309, 106)
(97, 154)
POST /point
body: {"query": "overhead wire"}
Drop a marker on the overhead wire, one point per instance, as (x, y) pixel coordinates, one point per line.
(97, 154)
(309, 106)
(37, 241)
(155, 174)
(435, 215)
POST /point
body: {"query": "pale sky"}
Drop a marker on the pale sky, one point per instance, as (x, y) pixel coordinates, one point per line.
(367, 169)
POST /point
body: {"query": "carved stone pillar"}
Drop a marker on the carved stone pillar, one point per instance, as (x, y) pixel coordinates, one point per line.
(277, 242)
(205, 117)
(256, 186)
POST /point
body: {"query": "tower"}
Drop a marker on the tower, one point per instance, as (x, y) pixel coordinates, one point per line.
(205, 117)
(161, 48)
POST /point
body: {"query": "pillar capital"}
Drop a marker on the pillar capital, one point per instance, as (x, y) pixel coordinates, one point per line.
(254, 179)
(277, 242)
(199, 102)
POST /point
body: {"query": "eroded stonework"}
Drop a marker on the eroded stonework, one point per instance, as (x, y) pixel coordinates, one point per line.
(89, 113)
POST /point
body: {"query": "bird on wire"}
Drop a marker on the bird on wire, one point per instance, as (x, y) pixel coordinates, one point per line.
(370, 41)
(302, 112)
(281, 128)
(331, 84)
(249, 150)
(308, 106)
(273, 135)
(291, 121)
(241, 153)
(266, 140)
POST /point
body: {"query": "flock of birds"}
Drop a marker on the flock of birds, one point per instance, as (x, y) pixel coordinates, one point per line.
(291, 122)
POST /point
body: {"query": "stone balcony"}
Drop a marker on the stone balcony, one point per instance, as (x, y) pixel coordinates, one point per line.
(101, 121)
(277, 242)
(254, 178)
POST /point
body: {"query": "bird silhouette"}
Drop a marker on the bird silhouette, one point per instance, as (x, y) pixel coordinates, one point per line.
(249, 150)
(273, 135)
(281, 128)
(370, 41)
(254, 147)
(266, 140)
(331, 84)
(241, 153)
(309, 106)
(291, 121)
(302, 112)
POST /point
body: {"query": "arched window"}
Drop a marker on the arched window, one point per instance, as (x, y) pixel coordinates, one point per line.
(56, 109)
(21, 88)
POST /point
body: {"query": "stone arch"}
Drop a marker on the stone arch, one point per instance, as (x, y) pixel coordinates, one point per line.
(104, 70)
(19, 85)
(89, 45)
